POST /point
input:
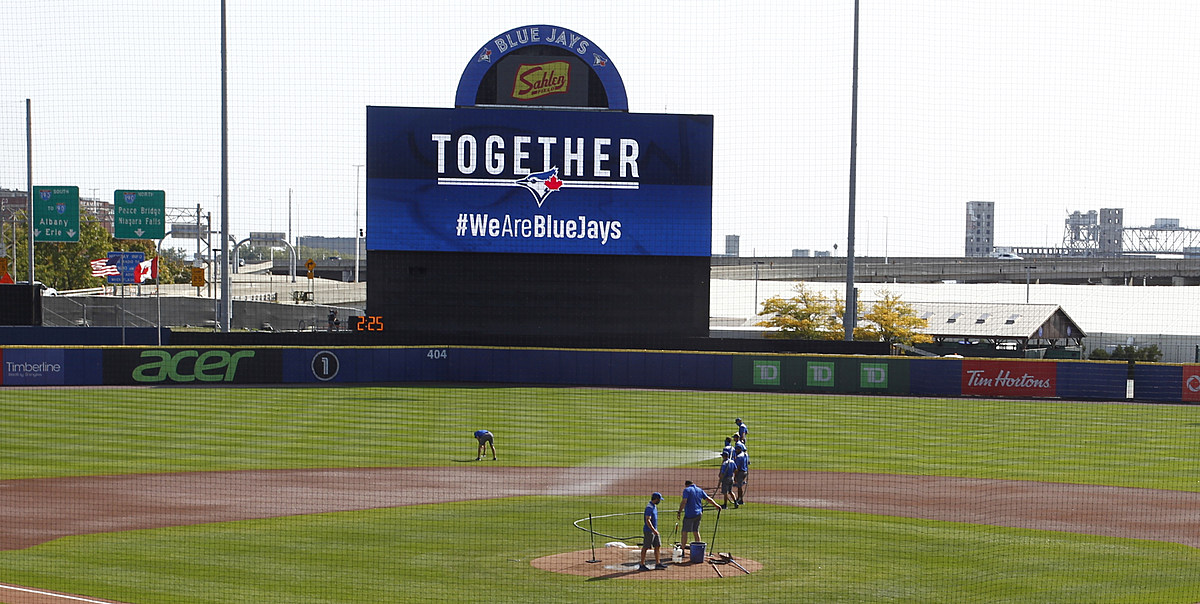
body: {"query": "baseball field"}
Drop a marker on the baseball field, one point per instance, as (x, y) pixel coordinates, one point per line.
(373, 495)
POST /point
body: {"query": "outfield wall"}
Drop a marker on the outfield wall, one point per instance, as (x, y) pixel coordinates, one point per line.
(943, 377)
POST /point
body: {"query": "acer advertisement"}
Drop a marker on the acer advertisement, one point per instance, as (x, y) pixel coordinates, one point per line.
(1009, 379)
(205, 366)
(545, 182)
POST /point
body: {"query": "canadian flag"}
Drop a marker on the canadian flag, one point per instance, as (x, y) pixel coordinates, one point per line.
(146, 270)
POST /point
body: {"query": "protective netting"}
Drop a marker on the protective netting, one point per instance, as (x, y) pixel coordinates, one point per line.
(368, 493)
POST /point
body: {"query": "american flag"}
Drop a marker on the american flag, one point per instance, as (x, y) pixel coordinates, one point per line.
(101, 268)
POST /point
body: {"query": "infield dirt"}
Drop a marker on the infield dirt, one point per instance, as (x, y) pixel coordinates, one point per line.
(49, 508)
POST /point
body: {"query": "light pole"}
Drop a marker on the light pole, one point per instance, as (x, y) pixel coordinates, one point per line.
(756, 265)
(357, 167)
(1027, 269)
(885, 240)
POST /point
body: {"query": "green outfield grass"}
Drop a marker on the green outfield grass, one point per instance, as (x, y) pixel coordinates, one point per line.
(460, 551)
(69, 432)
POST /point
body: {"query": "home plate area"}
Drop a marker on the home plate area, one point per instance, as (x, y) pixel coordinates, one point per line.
(617, 562)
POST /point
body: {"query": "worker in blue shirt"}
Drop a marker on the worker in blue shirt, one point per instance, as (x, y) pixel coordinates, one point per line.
(725, 476)
(485, 439)
(742, 460)
(728, 448)
(650, 536)
(691, 505)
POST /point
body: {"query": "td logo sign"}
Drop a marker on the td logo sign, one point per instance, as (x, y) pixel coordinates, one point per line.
(820, 374)
(766, 373)
(873, 375)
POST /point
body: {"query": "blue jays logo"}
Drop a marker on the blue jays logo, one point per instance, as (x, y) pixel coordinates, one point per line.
(542, 184)
(486, 55)
(60, 207)
(598, 60)
(130, 197)
(45, 195)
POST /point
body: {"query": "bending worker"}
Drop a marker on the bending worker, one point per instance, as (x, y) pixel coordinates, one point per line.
(692, 507)
(485, 439)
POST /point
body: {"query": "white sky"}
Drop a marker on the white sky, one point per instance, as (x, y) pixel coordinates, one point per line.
(1044, 107)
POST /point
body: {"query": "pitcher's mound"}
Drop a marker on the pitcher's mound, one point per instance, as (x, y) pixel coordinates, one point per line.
(622, 563)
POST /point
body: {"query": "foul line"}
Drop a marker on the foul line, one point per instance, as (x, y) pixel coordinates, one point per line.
(53, 594)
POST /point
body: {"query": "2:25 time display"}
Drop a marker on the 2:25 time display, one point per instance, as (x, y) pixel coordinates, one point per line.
(368, 323)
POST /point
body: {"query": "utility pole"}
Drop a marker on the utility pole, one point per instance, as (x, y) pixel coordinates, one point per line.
(1027, 269)
(356, 236)
(850, 320)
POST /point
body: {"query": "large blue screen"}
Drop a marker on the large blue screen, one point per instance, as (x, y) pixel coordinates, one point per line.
(539, 181)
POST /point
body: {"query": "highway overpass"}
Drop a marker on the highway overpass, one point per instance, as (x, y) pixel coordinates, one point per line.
(1107, 271)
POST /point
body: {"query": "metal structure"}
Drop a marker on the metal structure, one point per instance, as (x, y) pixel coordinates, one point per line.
(1104, 234)
(1152, 240)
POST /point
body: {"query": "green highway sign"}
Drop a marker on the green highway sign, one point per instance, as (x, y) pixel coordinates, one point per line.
(56, 214)
(139, 214)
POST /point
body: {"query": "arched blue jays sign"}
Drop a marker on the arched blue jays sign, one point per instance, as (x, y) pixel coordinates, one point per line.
(541, 65)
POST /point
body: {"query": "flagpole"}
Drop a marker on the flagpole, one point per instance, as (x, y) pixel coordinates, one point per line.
(158, 292)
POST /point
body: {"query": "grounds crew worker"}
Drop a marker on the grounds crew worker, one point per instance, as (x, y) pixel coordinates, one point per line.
(650, 536)
(485, 439)
(692, 506)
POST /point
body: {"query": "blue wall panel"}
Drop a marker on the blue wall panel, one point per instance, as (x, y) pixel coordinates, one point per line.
(929, 377)
(85, 366)
(1079, 379)
(1161, 383)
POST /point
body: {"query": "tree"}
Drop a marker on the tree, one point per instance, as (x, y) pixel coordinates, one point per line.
(893, 321)
(808, 315)
(66, 266)
(813, 316)
(1131, 353)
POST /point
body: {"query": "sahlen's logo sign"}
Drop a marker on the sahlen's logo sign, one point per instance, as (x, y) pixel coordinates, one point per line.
(537, 81)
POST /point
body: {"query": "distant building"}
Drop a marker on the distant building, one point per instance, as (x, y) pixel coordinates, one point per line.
(980, 231)
(801, 253)
(1112, 227)
(733, 244)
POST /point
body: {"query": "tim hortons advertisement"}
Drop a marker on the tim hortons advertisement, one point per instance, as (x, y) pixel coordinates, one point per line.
(550, 182)
(1009, 379)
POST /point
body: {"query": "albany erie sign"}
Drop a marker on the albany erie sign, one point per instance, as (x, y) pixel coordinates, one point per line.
(545, 79)
(1009, 379)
